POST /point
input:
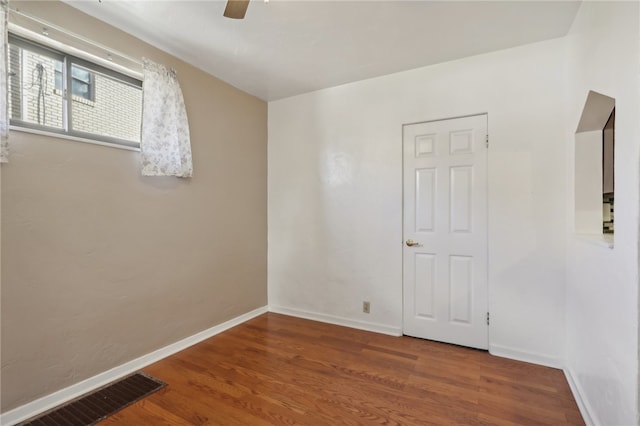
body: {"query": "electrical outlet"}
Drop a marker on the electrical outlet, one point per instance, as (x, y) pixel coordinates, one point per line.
(366, 307)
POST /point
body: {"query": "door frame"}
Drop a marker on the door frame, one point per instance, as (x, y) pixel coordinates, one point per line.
(486, 114)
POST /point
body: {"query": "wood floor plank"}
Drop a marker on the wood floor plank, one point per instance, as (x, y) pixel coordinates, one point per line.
(282, 370)
(146, 412)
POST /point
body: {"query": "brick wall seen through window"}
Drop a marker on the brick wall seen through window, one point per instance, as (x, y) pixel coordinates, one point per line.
(101, 104)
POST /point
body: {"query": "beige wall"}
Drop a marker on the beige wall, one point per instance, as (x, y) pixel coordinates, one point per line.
(101, 265)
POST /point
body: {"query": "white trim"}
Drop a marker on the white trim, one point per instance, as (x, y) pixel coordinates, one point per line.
(80, 53)
(53, 400)
(520, 355)
(69, 137)
(583, 403)
(331, 319)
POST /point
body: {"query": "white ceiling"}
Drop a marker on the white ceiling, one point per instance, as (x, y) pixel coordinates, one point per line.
(284, 48)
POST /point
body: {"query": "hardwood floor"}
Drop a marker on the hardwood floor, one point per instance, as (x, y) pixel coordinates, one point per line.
(280, 370)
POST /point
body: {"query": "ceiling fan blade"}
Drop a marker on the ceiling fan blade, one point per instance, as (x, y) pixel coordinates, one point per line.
(236, 9)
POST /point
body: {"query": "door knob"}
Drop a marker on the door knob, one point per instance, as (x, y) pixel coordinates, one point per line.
(411, 243)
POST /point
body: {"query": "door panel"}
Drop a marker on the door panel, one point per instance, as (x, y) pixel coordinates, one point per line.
(424, 284)
(461, 196)
(445, 229)
(461, 280)
(425, 199)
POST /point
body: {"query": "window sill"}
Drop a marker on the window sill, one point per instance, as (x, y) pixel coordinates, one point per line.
(71, 138)
(602, 240)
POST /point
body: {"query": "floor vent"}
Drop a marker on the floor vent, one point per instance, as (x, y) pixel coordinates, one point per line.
(100, 404)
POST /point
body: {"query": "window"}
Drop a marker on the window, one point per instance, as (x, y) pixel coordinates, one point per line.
(81, 82)
(101, 104)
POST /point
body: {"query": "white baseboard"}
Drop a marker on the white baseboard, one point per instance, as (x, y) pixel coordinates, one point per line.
(583, 404)
(331, 319)
(530, 357)
(53, 400)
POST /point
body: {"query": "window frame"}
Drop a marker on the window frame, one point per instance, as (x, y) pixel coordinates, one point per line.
(67, 97)
(91, 94)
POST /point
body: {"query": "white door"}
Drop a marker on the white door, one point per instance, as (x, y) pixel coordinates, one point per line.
(445, 231)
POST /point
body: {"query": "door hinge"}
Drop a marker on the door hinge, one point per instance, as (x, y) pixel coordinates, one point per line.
(487, 318)
(486, 140)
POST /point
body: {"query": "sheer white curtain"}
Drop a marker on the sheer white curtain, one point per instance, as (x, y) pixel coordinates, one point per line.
(165, 146)
(4, 96)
